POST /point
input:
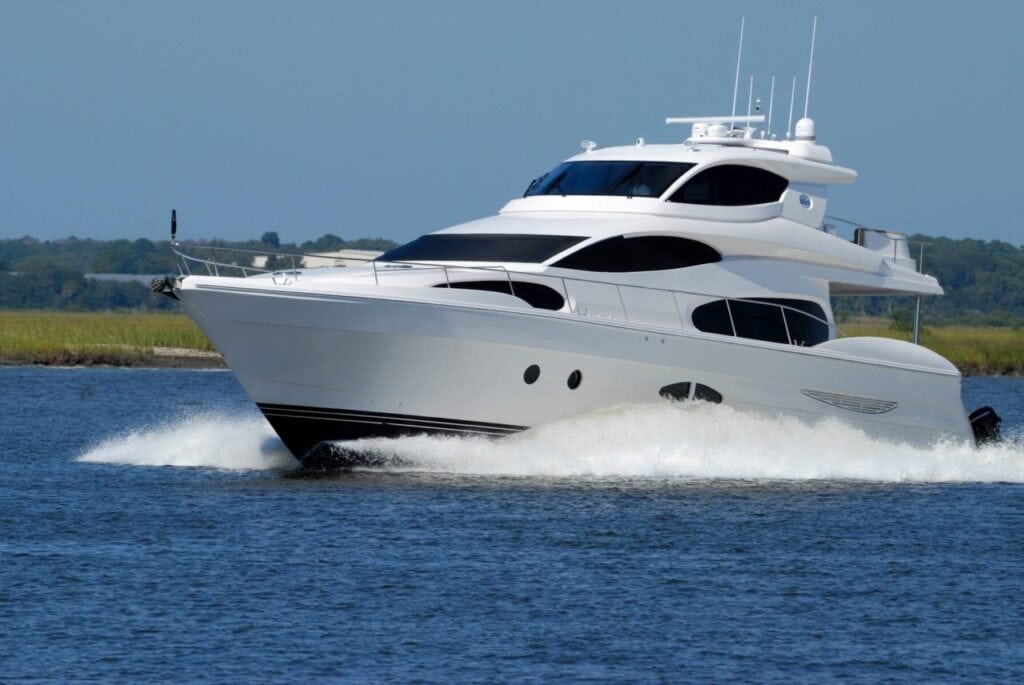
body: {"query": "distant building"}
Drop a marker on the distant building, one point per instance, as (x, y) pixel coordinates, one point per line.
(339, 258)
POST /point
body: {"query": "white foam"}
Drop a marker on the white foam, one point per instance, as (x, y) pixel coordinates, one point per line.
(700, 441)
(660, 440)
(220, 441)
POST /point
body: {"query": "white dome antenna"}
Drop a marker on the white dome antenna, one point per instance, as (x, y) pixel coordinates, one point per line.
(805, 129)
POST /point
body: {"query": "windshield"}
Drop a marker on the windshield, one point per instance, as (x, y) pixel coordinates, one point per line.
(481, 247)
(624, 179)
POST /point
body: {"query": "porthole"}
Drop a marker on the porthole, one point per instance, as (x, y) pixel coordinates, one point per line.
(575, 378)
(531, 374)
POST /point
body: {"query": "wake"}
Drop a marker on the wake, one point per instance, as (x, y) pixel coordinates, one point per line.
(219, 441)
(658, 440)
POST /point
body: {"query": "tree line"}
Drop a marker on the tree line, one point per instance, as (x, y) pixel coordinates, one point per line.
(60, 274)
(984, 280)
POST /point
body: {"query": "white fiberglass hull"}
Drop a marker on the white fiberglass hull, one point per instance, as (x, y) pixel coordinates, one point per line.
(336, 367)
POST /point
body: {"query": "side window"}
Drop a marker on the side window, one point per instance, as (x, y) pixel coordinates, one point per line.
(800, 322)
(731, 185)
(534, 294)
(643, 253)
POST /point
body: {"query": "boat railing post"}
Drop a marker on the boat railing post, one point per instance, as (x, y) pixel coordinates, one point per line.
(446, 279)
(295, 273)
(679, 313)
(216, 271)
(625, 313)
(785, 323)
(917, 321)
(375, 281)
(511, 288)
(732, 324)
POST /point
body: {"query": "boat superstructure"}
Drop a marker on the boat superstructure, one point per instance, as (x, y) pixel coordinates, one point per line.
(697, 271)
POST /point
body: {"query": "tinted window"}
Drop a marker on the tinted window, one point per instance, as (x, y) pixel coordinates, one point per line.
(629, 179)
(535, 294)
(804, 330)
(481, 247)
(765, 321)
(731, 185)
(643, 253)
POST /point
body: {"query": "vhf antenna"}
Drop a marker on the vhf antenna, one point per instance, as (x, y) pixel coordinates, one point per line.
(771, 101)
(736, 84)
(810, 67)
(750, 95)
(792, 99)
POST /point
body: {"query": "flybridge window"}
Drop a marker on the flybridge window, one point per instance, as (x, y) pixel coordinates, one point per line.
(731, 185)
(643, 253)
(481, 247)
(798, 322)
(628, 179)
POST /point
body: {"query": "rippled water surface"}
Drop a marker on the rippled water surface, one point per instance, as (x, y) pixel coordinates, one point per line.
(152, 530)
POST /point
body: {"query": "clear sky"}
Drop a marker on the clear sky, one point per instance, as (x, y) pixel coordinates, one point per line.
(395, 119)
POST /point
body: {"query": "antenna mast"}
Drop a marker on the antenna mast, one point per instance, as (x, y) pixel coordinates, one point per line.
(771, 101)
(792, 99)
(750, 95)
(810, 66)
(736, 84)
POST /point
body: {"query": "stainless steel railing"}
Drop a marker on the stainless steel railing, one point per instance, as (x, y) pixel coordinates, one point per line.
(381, 270)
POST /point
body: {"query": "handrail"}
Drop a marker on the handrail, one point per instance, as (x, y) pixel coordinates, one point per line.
(895, 236)
(508, 273)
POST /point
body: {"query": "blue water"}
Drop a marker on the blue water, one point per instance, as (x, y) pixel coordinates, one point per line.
(150, 530)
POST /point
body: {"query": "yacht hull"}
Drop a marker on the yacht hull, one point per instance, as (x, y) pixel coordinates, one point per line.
(325, 367)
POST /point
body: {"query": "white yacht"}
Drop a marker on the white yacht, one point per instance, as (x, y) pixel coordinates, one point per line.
(697, 271)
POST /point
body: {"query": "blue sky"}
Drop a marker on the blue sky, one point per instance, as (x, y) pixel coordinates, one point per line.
(395, 119)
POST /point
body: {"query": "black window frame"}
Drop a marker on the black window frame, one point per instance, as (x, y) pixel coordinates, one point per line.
(621, 180)
(787, 321)
(634, 254)
(525, 248)
(537, 295)
(732, 185)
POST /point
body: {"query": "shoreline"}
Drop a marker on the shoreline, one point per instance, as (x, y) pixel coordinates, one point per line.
(157, 358)
(172, 340)
(213, 360)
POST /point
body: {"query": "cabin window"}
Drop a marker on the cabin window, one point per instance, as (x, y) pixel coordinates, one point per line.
(642, 253)
(534, 294)
(798, 321)
(622, 179)
(731, 185)
(481, 247)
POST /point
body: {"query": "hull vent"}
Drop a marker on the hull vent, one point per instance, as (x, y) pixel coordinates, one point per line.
(862, 405)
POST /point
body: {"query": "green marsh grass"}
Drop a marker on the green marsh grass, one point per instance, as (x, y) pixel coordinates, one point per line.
(976, 350)
(55, 337)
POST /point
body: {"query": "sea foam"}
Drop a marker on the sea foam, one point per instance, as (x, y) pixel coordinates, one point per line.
(220, 441)
(658, 440)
